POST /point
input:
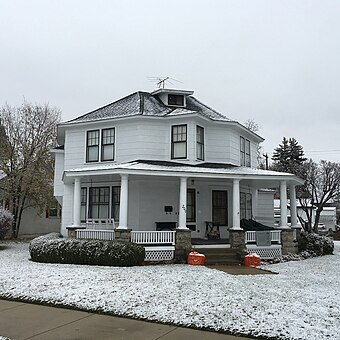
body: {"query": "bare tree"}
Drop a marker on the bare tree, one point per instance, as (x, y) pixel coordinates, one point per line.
(252, 125)
(28, 134)
(322, 185)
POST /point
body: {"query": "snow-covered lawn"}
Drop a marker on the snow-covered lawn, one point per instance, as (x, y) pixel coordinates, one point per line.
(301, 302)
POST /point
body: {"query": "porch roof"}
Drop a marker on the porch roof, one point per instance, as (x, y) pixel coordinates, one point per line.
(257, 177)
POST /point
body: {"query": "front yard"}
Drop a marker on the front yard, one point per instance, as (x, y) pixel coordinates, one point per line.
(301, 302)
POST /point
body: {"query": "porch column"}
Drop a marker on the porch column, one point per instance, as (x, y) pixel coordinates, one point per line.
(124, 197)
(254, 200)
(283, 204)
(236, 205)
(293, 210)
(182, 218)
(76, 202)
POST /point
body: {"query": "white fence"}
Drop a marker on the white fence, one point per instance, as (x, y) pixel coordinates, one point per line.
(265, 252)
(95, 234)
(275, 236)
(153, 237)
(158, 245)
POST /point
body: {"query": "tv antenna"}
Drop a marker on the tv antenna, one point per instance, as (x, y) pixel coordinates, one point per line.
(162, 81)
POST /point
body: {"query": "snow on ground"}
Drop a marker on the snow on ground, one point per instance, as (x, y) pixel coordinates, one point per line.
(301, 302)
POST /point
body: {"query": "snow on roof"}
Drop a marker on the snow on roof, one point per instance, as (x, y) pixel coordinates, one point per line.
(146, 104)
(191, 170)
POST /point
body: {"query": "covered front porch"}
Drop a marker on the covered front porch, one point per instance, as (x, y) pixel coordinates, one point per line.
(150, 202)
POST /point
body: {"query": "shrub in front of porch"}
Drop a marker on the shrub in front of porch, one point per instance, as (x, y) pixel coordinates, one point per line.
(315, 244)
(53, 248)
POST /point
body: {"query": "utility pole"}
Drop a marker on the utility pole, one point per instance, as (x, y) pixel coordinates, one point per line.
(266, 157)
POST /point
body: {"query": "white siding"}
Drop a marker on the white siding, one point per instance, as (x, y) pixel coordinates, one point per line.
(58, 174)
(265, 208)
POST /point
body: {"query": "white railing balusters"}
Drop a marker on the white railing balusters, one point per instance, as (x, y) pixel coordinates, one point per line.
(153, 237)
(95, 234)
(275, 236)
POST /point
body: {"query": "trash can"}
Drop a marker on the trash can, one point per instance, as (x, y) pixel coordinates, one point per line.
(252, 260)
(196, 259)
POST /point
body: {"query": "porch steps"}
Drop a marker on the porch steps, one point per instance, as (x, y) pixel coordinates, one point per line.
(220, 256)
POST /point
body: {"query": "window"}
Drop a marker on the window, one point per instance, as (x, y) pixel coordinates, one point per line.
(115, 203)
(107, 139)
(191, 205)
(108, 144)
(245, 206)
(220, 207)
(99, 202)
(175, 99)
(83, 205)
(92, 146)
(244, 152)
(200, 143)
(179, 142)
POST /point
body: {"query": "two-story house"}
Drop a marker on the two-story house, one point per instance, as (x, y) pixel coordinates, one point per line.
(151, 158)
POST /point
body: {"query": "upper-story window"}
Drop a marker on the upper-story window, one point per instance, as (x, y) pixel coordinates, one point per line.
(176, 99)
(244, 152)
(108, 144)
(200, 143)
(92, 146)
(95, 139)
(179, 141)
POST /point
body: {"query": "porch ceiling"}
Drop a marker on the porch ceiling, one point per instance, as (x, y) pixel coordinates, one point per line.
(253, 177)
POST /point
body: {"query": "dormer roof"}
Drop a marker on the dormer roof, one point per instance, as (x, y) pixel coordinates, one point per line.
(149, 104)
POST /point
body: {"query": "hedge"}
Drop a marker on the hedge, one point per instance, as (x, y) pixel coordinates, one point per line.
(315, 244)
(53, 248)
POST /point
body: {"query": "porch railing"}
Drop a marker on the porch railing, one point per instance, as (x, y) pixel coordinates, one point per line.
(153, 237)
(95, 234)
(275, 236)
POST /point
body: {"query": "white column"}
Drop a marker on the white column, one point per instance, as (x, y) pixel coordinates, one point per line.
(283, 204)
(76, 202)
(124, 198)
(236, 204)
(182, 218)
(254, 200)
(293, 210)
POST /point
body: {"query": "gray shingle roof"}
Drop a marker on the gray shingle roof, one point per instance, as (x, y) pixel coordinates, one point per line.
(146, 104)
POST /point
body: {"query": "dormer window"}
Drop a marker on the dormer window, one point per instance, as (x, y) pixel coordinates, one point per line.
(176, 99)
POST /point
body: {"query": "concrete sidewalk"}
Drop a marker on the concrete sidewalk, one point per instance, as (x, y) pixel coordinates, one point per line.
(20, 321)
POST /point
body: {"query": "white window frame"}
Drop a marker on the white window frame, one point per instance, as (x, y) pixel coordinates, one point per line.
(172, 143)
(200, 145)
(245, 159)
(100, 146)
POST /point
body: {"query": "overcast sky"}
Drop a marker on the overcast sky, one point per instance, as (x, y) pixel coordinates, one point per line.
(276, 62)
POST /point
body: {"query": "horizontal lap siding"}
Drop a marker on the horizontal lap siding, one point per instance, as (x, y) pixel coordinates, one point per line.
(265, 208)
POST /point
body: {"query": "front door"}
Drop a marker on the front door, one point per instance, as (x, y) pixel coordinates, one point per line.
(220, 207)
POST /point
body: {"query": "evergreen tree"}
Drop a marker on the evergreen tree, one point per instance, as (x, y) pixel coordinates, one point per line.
(288, 156)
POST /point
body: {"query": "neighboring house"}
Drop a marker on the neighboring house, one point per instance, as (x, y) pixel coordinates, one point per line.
(327, 216)
(34, 223)
(151, 161)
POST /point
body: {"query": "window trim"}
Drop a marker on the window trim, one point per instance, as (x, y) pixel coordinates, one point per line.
(246, 209)
(100, 146)
(200, 144)
(245, 157)
(173, 142)
(177, 96)
(98, 204)
(103, 145)
(91, 146)
(113, 204)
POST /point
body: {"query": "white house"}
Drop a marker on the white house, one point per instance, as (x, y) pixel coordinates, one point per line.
(163, 159)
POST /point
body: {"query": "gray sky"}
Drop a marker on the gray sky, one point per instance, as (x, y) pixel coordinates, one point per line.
(276, 62)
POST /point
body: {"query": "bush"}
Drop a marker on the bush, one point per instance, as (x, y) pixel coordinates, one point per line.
(315, 244)
(53, 248)
(6, 220)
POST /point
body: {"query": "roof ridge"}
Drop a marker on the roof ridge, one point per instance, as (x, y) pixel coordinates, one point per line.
(102, 107)
(210, 108)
